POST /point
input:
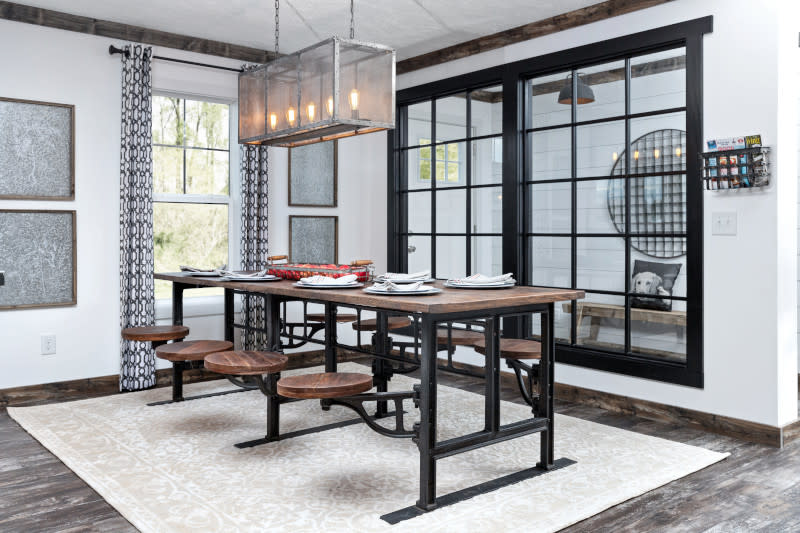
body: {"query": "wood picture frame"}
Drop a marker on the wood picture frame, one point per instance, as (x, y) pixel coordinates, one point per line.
(21, 270)
(18, 142)
(307, 236)
(315, 180)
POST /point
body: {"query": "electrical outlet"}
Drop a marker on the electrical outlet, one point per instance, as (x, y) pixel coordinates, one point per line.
(48, 344)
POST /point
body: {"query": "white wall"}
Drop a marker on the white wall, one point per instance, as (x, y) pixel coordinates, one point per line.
(58, 66)
(750, 347)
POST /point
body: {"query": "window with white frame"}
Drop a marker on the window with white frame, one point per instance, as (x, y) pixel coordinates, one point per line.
(192, 218)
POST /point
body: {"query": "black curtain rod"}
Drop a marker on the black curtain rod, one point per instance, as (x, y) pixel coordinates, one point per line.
(114, 50)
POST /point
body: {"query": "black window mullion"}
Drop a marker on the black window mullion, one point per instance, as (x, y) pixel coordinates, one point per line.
(628, 204)
(574, 206)
(468, 145)
(433, 188)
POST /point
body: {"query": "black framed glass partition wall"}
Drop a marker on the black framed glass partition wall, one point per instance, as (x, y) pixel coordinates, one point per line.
(592, 166)
(450, 193)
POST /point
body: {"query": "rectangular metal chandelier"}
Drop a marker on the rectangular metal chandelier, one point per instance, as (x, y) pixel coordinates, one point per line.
(333, 89)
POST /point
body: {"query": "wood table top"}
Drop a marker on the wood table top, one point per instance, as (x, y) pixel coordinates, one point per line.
(448, 301)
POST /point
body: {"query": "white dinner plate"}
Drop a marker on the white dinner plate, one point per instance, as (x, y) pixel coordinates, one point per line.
(406, 281)
(354, 285)
(492, 286)
(251, 278)
(418, 292)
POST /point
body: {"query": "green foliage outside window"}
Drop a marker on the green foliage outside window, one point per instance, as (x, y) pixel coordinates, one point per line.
(447, 162)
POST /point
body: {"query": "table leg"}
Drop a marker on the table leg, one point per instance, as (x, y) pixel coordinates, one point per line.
(177, 303)
(426, 440)
(228, 310)
(544, 405)
(272, 318)
(492, 382)
(380, 370)
(330, 337)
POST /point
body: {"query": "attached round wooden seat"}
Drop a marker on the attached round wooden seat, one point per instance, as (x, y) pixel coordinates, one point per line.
(191, 350)
(393, 322)
(459, 337)
(245, 363)
(155, 333)
(320, 317)
(324, 385)
(514, 348)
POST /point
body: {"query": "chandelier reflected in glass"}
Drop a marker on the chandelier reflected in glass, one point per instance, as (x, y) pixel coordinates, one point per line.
(333, 89)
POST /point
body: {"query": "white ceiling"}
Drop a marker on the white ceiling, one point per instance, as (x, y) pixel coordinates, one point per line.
(413, 27)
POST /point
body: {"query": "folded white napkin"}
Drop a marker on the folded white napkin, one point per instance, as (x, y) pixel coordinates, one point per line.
(185, 268)
(393, 287)
(349, 279)
(425, 274)
(231, 273)
(482, 279)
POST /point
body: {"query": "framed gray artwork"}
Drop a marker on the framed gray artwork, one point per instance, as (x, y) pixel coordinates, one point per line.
(37, 150)
(313, 175)
(313, 239)
(38, 258)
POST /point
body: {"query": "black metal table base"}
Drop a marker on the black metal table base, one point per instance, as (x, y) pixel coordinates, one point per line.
(198, 397)
(476, 490)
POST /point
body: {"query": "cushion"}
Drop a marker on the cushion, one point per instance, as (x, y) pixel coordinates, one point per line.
(653, 278)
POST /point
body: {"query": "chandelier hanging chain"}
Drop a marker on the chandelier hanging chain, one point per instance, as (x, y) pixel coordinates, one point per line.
(277, 31)
(352, 22)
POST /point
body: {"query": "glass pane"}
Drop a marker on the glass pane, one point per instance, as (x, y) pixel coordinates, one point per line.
(605, 85)
(550, 261)
(207, 172)
(551, 207)
(167, 170)
(601, 206)
(451, 164)
(487, 210)
(188, 234)
(451, 117)
(562, 321)
(658, 205)
(167, 120)
(658, 143)
(601, 263)
(487, 111)
(655, 278)
(451, 211)
(601, 321)
(487, 161)
(419, 212)
(487, 256)
(600, 148)
(419, 166)
(658, 81)
(551, 154)
(451, 257)
(545, 109)
(207, 124)
(660, 334)
(419, 253)
(419, 124)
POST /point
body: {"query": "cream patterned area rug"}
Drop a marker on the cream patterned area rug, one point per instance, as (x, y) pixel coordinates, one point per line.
(174, 467)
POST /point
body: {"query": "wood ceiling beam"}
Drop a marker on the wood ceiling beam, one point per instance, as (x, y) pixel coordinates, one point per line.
(565, 21)
(125, 32)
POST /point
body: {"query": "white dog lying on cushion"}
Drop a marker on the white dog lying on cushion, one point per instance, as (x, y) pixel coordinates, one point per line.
(649, 283)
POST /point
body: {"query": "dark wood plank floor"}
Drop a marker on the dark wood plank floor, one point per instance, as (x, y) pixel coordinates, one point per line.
(756, 489)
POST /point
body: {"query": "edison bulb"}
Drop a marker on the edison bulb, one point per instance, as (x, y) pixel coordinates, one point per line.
(656, 153)
(354, 100)
(273, 121)
(614, 156)
(311, 111)
(636, 155)
(291, 116)
(330, 105)
(678, 151)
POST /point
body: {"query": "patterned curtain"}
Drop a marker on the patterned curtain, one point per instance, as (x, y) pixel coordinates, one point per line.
(137, 299)
(255, 239)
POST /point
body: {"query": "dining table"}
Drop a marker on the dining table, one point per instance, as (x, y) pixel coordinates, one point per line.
(428, 312)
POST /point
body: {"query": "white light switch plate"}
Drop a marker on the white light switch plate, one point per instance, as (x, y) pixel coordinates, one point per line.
(723, 223)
